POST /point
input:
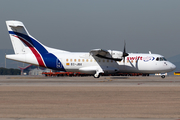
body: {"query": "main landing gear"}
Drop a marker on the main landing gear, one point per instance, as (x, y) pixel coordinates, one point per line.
(163, 76)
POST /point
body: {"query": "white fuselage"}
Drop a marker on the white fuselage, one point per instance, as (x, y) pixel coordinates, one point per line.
(86, 63)
(135, 63)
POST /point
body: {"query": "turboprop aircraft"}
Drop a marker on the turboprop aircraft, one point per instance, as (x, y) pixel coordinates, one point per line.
(98, 61)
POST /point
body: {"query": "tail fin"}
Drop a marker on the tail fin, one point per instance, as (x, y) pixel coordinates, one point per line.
(29, 50)
(21, 40)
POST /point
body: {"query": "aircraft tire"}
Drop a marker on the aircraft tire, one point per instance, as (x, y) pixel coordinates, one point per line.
(163, 76)
(96, 76)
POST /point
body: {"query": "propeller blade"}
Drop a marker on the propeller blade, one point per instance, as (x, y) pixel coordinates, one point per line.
(124, 52)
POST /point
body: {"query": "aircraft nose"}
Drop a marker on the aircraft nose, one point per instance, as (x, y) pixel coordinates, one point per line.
(172, 66)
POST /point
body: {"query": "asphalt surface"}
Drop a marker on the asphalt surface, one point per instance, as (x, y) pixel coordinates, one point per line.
(107, 98)
(88, 81)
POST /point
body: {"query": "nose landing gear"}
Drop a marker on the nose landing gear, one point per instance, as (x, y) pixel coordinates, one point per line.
(96, 75)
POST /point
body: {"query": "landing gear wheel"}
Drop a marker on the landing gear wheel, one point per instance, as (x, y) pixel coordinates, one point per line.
(96, 75)
(163, 76)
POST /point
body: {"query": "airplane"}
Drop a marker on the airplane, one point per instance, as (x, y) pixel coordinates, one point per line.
(96, 62)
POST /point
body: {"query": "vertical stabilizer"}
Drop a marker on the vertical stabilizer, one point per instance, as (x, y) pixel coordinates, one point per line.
(13, 28)
(24, 44)
(29, 50)
(21, 40)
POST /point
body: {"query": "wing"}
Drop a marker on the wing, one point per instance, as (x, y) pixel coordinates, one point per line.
(107, 54)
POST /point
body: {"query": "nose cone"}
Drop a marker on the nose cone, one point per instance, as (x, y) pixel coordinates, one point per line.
(169, 66)
(172, 67)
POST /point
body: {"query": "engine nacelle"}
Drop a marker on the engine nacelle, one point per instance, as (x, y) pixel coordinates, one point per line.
(116, 54)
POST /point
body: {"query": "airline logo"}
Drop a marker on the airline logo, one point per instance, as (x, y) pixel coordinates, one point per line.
(148, 58)
(145, 59)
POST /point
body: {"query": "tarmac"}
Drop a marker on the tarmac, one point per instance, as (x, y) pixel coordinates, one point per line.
(79, 98)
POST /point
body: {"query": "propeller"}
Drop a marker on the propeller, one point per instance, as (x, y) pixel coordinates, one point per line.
(125, 54)
(124, 51)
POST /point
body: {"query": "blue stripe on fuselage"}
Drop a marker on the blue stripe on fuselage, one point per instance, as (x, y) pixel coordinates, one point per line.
(50, 59)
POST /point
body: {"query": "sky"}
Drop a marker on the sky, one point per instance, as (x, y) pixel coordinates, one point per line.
(83, 25)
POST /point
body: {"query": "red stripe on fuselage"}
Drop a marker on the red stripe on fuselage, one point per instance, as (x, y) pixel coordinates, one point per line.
(38, 56)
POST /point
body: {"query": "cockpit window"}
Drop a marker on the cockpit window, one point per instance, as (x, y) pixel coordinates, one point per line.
(164, 59)
(161, 59)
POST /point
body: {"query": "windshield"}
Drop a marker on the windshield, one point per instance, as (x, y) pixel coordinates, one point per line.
(161, 59)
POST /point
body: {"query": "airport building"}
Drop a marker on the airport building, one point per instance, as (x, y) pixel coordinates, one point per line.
(33, 70)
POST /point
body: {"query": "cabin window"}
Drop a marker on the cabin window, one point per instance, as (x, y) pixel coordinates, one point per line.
(66, 60)
(71, 60)
(83, 60)
(87, 60)
(79, 60)
(91, 60)
(74, 60)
